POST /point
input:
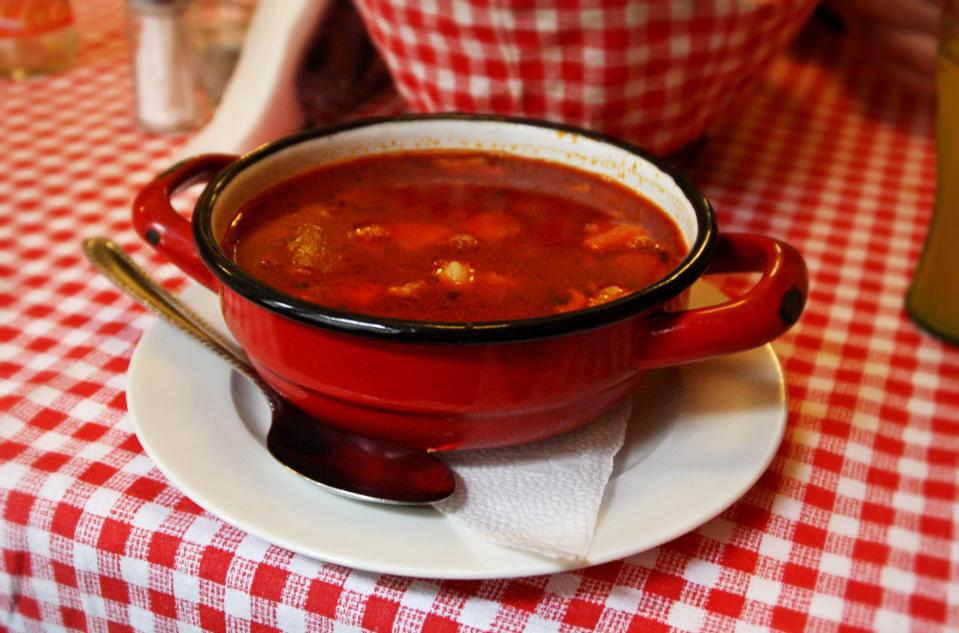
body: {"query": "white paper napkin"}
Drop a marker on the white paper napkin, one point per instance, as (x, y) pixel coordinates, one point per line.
(543, 497)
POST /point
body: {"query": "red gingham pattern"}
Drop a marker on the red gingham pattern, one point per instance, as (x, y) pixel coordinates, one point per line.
(656, 72)
(852, 528)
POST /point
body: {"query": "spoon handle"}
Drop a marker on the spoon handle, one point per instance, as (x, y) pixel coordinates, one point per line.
(110, 259)
(352, 466)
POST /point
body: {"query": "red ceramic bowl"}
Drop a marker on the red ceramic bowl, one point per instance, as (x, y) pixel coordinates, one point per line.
(470, 385)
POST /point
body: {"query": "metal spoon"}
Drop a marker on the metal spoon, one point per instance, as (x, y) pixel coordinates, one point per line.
(341, 462)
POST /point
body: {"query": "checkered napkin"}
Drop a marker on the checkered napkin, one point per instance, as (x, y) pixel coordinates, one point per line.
(542, 497)
(654, 73)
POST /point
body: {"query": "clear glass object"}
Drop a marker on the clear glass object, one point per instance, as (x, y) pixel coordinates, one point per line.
(933, 298)
(36, 38)
(222, 26)
(166, 78)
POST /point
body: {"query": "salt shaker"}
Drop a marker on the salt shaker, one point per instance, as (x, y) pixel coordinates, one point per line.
(169, 95)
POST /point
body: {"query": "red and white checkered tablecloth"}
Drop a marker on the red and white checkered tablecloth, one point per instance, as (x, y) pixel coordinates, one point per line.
(852, 528)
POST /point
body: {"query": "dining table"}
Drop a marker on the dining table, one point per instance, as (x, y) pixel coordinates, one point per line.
(849, 525)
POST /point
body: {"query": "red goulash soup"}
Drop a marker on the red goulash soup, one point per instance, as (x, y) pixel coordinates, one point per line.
(453, 237)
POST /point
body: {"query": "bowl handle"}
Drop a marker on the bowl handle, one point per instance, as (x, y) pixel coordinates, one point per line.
(764, 312)
(157, 222)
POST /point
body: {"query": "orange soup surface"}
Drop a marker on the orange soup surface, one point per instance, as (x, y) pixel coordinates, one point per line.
(459, 237)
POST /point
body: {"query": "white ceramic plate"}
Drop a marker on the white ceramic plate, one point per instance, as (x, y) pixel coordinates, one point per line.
(700, 437)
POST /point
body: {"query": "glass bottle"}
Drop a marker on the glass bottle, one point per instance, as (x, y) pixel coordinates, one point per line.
(221, 31)
(933, 298)
(36, 37)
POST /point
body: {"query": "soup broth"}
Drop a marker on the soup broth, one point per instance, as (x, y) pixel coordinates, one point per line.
(447, 236)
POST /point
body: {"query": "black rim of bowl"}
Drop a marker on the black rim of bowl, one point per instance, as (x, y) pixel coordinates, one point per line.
(681, 277)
